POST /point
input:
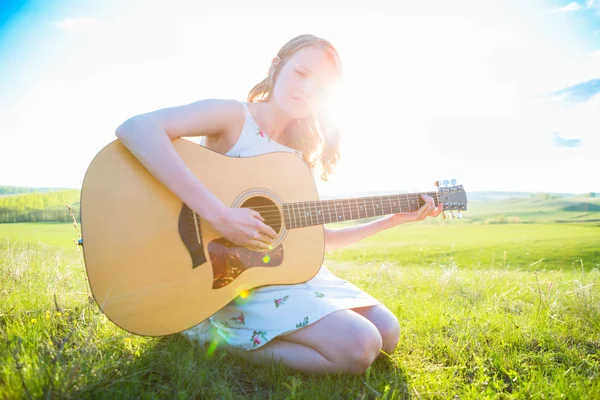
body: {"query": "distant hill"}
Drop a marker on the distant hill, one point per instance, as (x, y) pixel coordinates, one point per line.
(12, 190)
(544, 207)
(39, 206)
(48, 204)
(520, 207)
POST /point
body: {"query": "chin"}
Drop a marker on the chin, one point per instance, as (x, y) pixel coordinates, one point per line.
(299, 110)
(293, 108)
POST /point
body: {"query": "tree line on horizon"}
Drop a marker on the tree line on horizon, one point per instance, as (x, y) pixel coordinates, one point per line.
(12, 190)
(47, 206)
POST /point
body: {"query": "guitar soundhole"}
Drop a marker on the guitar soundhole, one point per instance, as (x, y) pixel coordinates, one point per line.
(268, 209)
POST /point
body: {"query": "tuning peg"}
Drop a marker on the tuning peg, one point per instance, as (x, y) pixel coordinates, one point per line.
(436, 184)
(453, 182)
(444, 215)
(445, 182)
(459, 215)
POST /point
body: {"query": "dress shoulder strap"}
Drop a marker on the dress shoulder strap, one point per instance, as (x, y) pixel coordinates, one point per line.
(246, 109)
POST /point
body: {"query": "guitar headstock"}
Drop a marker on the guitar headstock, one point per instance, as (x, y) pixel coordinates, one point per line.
(453, 197)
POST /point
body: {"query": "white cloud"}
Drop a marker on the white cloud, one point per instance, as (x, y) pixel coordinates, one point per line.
(572, 6)
(461, 91)
(77, 24)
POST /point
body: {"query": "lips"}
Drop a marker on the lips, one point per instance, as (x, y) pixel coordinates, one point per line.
(299, 100)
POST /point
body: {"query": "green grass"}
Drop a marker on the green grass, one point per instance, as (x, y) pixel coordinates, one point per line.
(512, 246)
(474, 325)
(537, 209)
(40, 235)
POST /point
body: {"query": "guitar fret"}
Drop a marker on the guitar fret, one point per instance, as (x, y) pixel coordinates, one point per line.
(304, 214)
(390, 201)
(307, 213)
(335, 208)
(349, 207)
(292, 215)
(373, 207)
(376, 206)
(321, 213)
(329, 210)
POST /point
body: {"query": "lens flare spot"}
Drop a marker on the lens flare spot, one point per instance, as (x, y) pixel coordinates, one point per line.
(212, 347)
(266, 259)
(244, 294)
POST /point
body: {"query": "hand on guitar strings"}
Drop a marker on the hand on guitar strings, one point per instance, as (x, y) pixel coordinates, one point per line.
(426, 210)
(245, 227)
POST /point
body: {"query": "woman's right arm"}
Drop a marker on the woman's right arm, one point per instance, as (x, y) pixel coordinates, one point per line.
(148, 137)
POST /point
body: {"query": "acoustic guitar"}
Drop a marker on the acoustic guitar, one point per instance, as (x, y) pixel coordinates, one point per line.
(156, 268)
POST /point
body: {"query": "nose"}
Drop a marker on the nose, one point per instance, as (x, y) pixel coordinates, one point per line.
(309, 89)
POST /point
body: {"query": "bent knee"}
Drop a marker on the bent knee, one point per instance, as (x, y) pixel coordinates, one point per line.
(390, 334)
(361, 351)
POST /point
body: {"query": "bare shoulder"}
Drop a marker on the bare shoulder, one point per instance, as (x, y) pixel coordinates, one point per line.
(200, 118)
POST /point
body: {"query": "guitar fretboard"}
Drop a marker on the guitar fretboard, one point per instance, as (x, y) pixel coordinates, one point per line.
(302, 214)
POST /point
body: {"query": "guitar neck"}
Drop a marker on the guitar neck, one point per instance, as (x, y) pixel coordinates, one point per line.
(302, 214)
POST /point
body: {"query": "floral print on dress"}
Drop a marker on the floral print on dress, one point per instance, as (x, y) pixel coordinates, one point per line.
(263, 134)
(280, 301)
(256, 336)
(239, 320)
(263, 319)
(225, 324)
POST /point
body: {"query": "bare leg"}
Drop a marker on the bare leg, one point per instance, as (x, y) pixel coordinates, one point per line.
(386, 323)
(342, 341)
(293, 355)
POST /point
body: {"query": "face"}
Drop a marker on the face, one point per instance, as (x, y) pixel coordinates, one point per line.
(304, 82)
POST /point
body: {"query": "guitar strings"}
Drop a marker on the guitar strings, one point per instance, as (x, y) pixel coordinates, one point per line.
(333, 204)
(329, 207)
(345, 208)
(274, 216)
(353, 199)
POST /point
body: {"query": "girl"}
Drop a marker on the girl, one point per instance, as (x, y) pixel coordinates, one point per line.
(325, 325)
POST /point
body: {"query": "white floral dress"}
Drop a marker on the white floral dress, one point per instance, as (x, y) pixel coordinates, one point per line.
(270, 311)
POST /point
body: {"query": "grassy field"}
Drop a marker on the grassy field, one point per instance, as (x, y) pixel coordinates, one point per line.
(40, 235)
(487, 311)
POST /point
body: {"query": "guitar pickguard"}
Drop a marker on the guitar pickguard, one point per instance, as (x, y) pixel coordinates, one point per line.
(191, 235)
(230, 260)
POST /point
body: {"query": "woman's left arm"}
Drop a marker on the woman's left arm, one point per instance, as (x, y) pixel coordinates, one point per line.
(342, 237)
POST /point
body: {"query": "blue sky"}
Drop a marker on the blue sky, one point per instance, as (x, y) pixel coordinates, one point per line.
(500, 95)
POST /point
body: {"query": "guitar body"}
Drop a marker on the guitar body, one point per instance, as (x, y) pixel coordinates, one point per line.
(156, 268)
